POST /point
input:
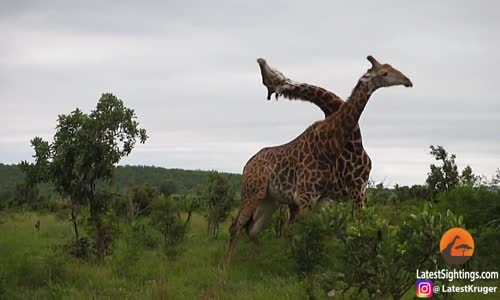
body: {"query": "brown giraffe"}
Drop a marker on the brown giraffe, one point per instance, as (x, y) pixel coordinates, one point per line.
(329, 103)
(304, 170)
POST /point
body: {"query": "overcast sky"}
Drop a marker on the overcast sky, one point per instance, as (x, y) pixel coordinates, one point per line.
(189, 70)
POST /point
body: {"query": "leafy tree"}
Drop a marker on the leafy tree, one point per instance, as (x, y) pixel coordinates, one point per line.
(445, 177)
(168, 187)
(496, 178)
(218, 201)
(25, 194)
(188, 203)
(84, 152)
(140, 199)
(165, 218)
(478, 205)
(468, 178)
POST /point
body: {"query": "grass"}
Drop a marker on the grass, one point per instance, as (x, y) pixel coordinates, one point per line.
(32, 266)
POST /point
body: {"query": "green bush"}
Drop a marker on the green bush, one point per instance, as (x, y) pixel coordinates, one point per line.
(478, 205)
(487, 242)
(308, 251)
(80, 248)
(379, 257)
(165, 217)
(308, 245)
(125, 258)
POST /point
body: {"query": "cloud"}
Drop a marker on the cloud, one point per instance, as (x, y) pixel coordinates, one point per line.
(188, 69)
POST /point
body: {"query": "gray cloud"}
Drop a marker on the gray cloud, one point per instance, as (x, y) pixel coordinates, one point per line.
(188, 69)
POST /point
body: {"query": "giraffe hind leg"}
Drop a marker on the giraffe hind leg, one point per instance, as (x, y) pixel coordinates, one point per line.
(261, 217)
(242, 221)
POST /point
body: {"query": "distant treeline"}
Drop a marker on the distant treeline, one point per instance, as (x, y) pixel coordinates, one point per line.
(124, 178)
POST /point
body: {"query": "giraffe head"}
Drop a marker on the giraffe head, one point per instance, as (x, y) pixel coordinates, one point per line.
(383, 75)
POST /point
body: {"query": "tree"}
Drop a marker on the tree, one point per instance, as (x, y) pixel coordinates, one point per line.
(218, 202)
(468, 178)
(168, 187)
(496, 178)
(140, 200)
(445, 177)
(165, 217)
(84, 152)
(189, 203)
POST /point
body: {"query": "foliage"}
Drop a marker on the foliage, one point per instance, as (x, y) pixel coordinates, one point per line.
(123, 263)
(308, 251)
(218, 202)
(188, 204)
(26, 194)
(307, 245)
(80, 248)
(478, 205)
(445, 177)
(279, 222)
(468, 178)
(168, 187)
(495, 181)
(140, 200)
(85, 149)
(165, 218)
(382, 256)
(124, 177)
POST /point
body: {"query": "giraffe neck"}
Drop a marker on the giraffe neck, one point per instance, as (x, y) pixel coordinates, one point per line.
(327, 101)
(340, 126)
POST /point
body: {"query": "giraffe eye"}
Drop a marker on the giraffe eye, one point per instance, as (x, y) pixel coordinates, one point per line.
(385, 74)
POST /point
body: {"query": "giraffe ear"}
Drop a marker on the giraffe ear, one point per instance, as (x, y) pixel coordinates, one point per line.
(373, 61)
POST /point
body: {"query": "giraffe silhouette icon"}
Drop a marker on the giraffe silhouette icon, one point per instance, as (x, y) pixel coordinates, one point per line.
(457, 254)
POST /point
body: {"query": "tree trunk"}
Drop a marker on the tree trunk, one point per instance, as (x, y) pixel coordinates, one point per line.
(188, 218)
(73, 220)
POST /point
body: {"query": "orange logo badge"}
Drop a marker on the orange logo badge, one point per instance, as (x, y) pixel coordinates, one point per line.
(457, 246)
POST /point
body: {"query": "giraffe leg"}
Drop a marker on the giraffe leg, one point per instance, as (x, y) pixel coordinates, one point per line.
(261, 217)
(305, 200)
(247, 209)
(293, 211)
(359, 195)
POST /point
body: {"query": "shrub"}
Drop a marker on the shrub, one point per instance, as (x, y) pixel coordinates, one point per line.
(80, 248)
(125, 258)
(308, 250)
(380, 257)
(166, 219)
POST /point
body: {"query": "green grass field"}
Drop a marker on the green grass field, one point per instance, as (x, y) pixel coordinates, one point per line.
(34, 267)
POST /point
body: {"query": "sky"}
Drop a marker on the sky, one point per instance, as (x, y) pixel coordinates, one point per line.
(189, 70)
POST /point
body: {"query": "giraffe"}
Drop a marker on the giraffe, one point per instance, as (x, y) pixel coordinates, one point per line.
(305, 169)
(329, 103)
(447, 250)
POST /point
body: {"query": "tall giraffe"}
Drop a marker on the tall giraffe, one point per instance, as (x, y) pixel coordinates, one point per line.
(329, 103)
(307, 168)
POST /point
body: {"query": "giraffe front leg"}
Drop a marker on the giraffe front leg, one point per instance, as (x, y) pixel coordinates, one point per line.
(359, 195)
(305, 201)
(359, 199)
(293, 211)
